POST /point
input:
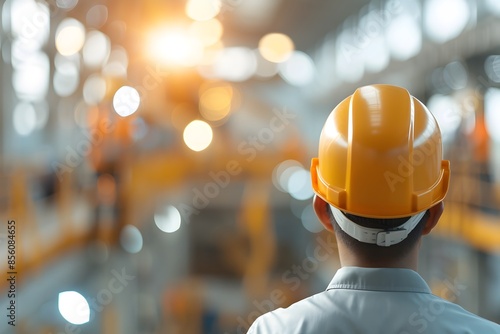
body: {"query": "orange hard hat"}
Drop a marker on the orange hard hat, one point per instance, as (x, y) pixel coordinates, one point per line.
(380, 155)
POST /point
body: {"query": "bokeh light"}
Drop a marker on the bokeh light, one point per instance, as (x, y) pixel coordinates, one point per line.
(31, 78)
(235, 64)
(282, 173)
(215, 102)
(492, 68)
(94, 89)
(66, 4)
(202, 10)
(445, 19)
(298, 70)
(310, 221)
(207, 32)
(447, 113)
(168, 220)
(24, 118)
(70, 36)
(377, 56)
(455, 75)
(265, 68)
(299, 184)
(66, 79)
(30, 22)
(96, 49)
(97, 16)
(492, 112)
(126, 101)
(131, 239)
(198, 135)
(276, 47)
(74, 307)
(117, 63)
(349, 64)
(404, 37)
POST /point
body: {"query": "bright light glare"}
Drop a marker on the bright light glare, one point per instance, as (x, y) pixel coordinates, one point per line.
(215, 102)
(74, 307)
(404, 37)
(492, 112)
(235, 64)
(126, 101)
(169, 220)
(207, 32)
(298, 70)
(202, 10)
(70, 36)
(445, 19)
(174, 46)
(276, 47)
(24, 118)
(131, 239)
(198, 135)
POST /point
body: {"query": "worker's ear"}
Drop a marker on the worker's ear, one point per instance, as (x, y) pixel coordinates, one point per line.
(323, 212)
(435, 213)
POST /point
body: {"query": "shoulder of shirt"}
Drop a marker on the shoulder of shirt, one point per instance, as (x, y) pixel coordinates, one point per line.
(282, 320)
(472, 319)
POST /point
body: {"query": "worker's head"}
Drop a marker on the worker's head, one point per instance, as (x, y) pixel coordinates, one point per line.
(379, 176)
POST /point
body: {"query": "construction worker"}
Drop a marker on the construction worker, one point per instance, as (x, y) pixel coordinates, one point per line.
(379, 181)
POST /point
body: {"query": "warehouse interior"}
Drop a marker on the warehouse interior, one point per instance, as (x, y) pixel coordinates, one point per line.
(155, 154)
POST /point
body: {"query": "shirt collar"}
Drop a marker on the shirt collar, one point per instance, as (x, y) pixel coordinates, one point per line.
(379, 279)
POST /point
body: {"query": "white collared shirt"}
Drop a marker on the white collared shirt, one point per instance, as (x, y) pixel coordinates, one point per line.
(373, 300)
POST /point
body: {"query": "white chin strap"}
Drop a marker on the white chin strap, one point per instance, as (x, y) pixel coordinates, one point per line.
(377, 236)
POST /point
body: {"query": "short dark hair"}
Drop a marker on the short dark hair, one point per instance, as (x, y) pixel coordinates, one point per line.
(373, 252)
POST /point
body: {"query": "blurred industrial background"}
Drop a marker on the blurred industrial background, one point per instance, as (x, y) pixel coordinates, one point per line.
(155, 154)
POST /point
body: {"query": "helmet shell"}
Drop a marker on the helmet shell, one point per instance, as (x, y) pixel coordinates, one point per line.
(380, 155)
